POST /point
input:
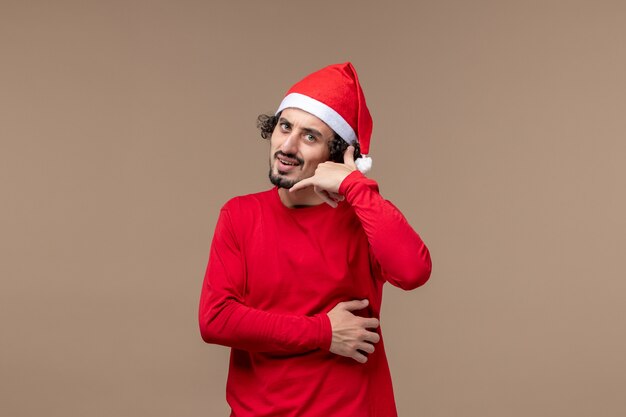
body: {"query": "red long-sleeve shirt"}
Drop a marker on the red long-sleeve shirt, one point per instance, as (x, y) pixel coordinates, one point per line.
(274, 273)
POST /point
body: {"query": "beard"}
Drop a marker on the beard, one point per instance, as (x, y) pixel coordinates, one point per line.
(278, 179)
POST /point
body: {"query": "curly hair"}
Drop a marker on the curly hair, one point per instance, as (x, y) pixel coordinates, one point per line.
(337, 146)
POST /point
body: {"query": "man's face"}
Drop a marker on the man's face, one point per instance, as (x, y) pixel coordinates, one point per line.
(298, 144)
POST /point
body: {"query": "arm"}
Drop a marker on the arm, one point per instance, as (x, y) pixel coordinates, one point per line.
(225, 319)
(402, 255)
(400, 252)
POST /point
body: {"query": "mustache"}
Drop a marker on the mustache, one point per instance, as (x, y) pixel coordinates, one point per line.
(290, 156)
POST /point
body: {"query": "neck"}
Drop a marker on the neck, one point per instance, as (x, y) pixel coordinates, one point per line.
(300, 198)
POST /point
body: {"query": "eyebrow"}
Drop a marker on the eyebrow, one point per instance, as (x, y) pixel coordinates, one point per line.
(314, 132)
(310, 130)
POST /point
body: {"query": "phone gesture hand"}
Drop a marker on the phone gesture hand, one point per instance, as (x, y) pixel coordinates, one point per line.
(328, 177)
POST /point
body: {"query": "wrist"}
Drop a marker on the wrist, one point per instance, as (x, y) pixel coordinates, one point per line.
(349, 180)
(325, 335)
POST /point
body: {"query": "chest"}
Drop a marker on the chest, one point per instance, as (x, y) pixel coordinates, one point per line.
(301, 264)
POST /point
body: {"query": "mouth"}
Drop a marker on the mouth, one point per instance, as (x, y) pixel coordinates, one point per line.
(287, 162)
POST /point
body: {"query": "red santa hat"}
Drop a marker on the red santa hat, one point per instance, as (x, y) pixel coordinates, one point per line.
(334, 95)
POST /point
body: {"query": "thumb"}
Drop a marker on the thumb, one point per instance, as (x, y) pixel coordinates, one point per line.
(348, 157)
(355, 305)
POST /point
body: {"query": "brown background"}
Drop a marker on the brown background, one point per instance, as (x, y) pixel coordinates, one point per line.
(499, 131)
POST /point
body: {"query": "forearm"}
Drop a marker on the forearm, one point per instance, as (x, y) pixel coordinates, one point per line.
(226, 321)
(400, 251)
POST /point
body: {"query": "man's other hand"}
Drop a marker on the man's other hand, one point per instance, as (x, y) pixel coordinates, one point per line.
(351, 334)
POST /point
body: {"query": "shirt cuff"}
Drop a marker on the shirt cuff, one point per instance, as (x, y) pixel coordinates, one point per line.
(353, 177)
(325, 336)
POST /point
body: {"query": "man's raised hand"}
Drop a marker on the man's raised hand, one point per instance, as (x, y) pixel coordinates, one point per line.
(328, 177)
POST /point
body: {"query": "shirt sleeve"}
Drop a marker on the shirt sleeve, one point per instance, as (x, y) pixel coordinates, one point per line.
(403, 257)
(225, 318)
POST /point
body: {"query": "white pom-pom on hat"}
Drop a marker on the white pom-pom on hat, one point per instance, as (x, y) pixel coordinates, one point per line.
(363, 164)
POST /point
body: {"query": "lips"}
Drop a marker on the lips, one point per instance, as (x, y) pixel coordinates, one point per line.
(287, 162)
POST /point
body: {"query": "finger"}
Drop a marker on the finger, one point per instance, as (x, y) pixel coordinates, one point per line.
(372, 337)
(354, 305)
(366, 347)
(359, 357)
(307, 182)
(371, 323)
(348, 157)
(324, 196)
(336, 196)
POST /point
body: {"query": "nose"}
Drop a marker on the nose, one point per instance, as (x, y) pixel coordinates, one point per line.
(290, 144)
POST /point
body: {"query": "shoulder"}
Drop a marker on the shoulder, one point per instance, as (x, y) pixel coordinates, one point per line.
(250, 202)
(241, 215)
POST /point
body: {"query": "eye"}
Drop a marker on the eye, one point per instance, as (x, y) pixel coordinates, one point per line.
(310, 138)
(284, 126)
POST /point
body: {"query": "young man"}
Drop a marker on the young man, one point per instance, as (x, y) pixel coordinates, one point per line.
(295, 274)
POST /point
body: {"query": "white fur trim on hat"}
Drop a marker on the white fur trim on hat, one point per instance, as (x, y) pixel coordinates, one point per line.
(320, 110)
(363, 164)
